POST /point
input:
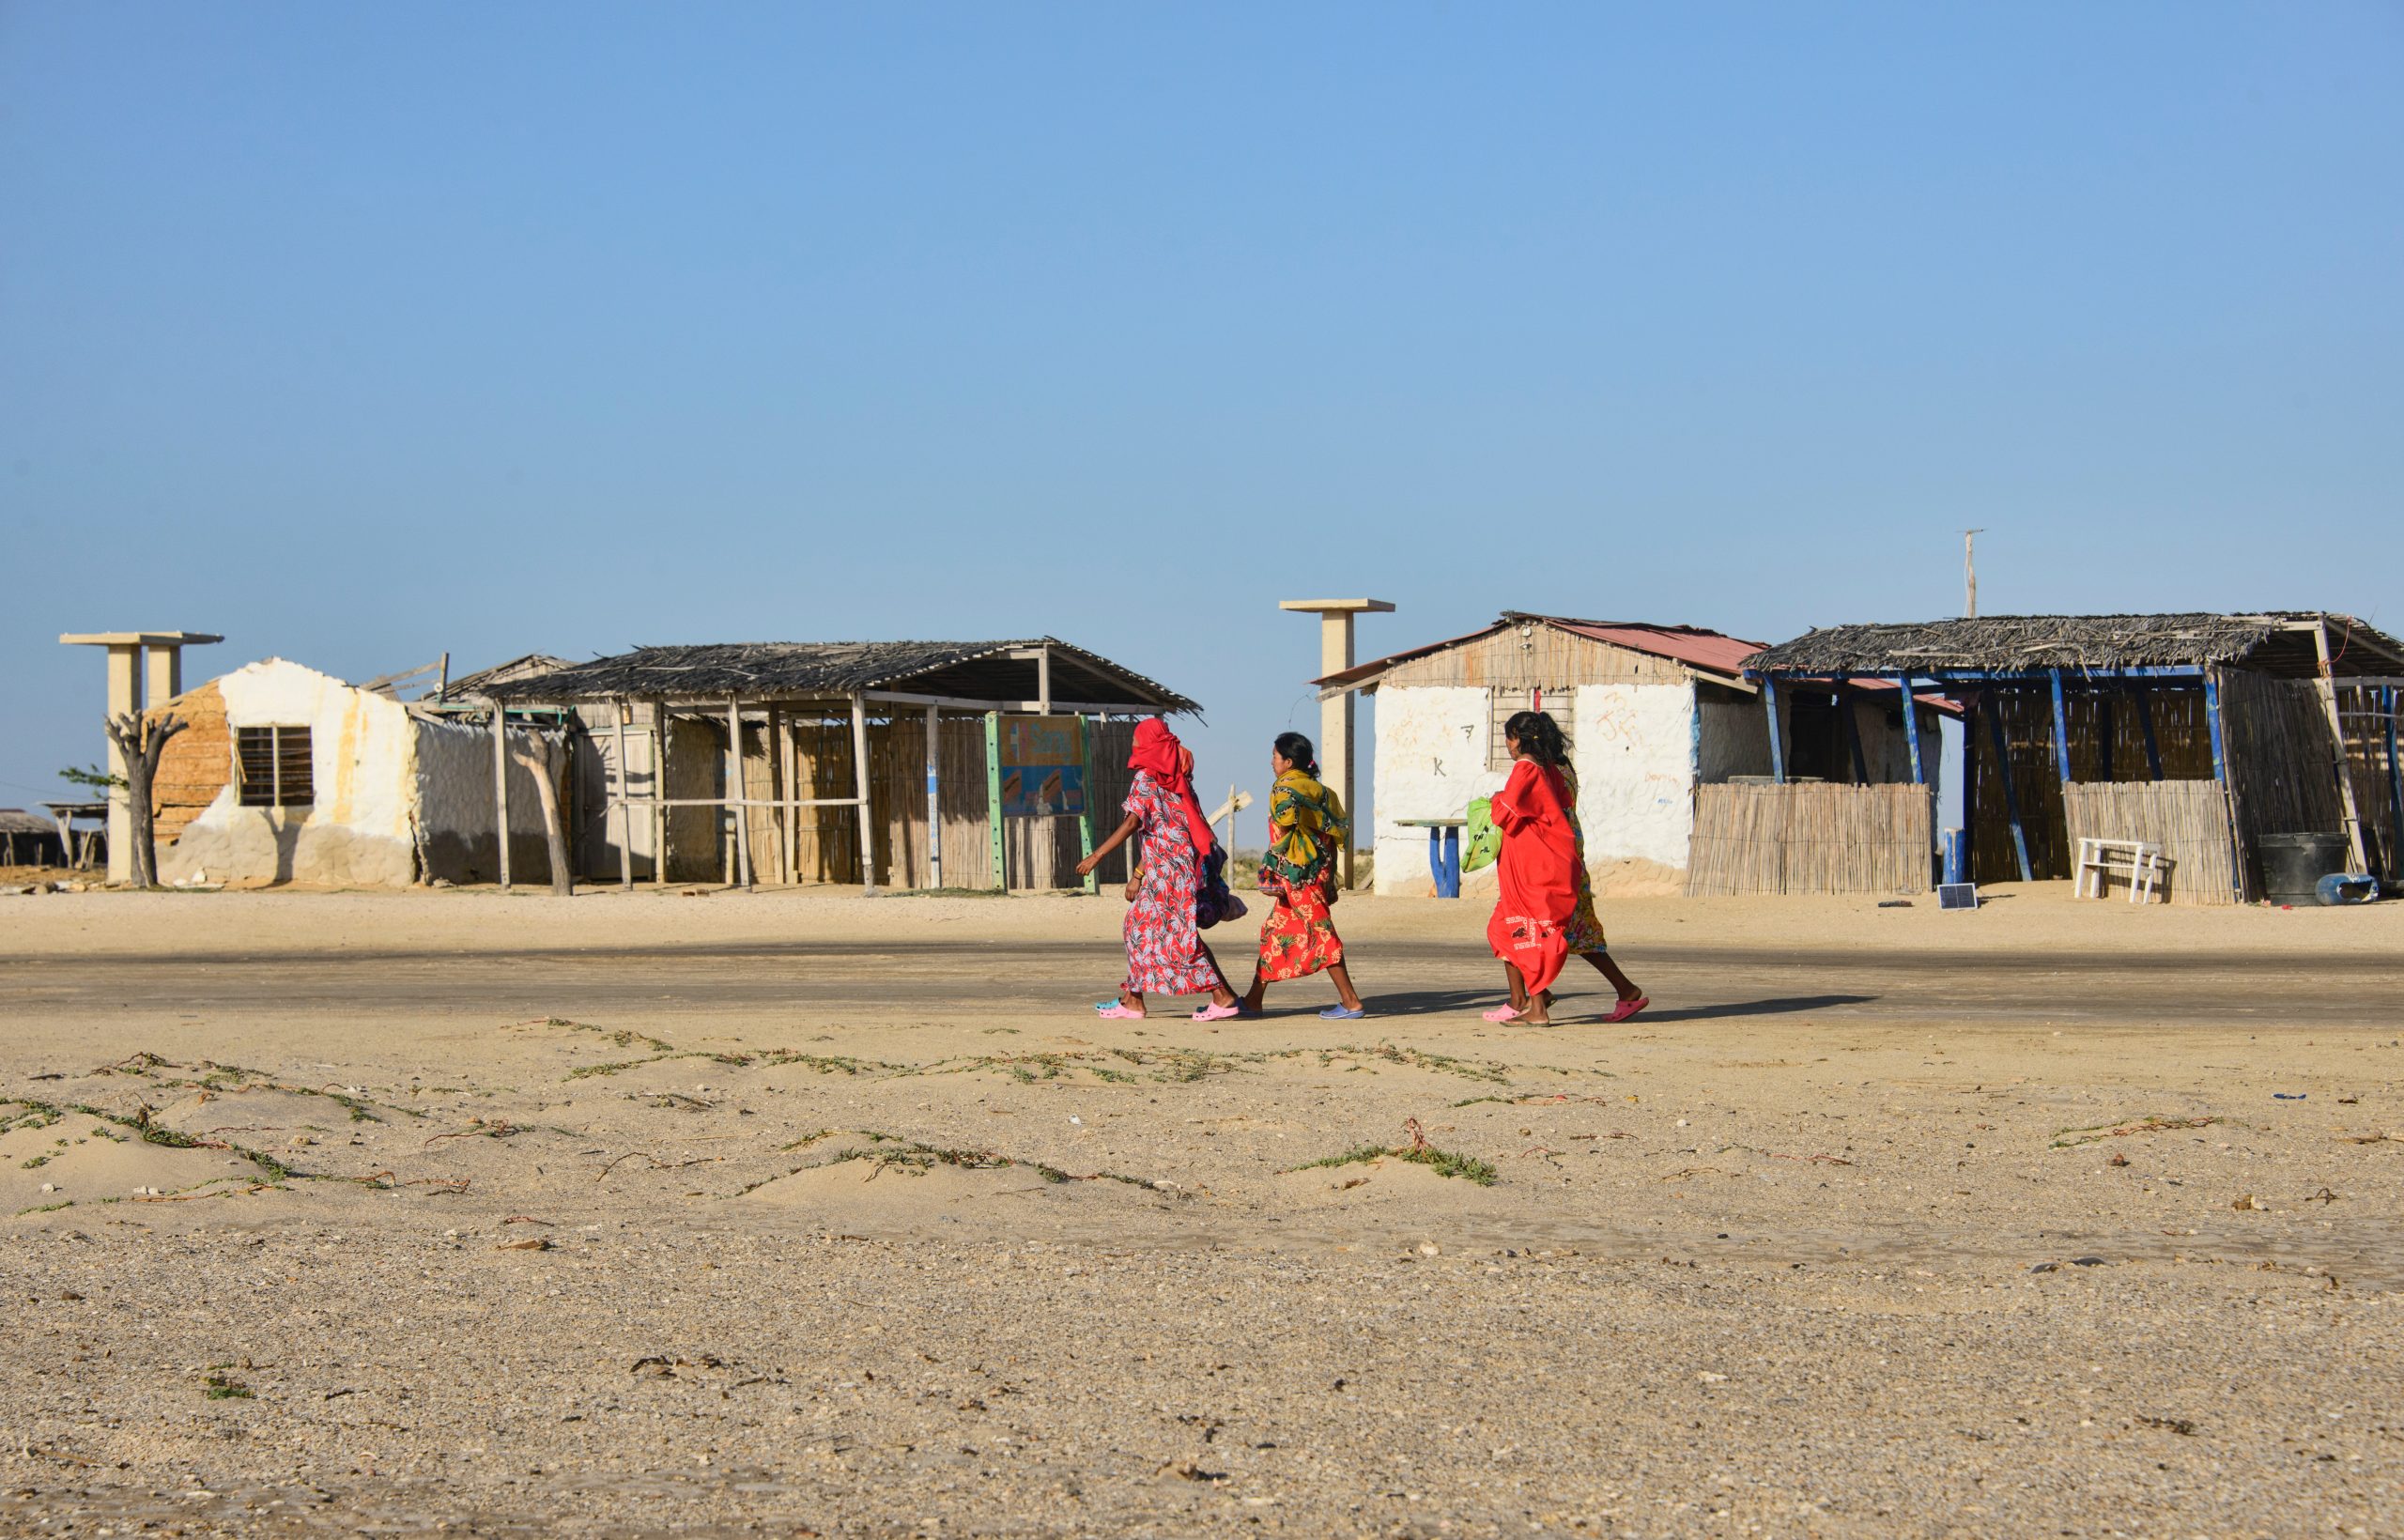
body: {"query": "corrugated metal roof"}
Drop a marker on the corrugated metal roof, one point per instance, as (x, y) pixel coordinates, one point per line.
(1707, 650)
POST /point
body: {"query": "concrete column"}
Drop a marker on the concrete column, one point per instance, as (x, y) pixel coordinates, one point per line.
(125, 695)
(162, 672)
(1338, 713)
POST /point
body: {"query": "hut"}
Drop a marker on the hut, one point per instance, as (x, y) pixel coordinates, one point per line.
(2212, 736)
(1654, 714)
(966, 765)
(32, 838)
(284, 772)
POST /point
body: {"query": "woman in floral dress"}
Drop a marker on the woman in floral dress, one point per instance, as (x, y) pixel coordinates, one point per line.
(1307, 830)
(1164, 950)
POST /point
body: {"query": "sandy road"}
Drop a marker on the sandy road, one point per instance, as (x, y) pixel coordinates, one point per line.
(790, 1214)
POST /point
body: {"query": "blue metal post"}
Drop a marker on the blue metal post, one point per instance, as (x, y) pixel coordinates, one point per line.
(2062, 726)
(1911, 729)
(1452, 862)
(1777, 746)
(2011, 801)
(2145, 723)
(2229, 791)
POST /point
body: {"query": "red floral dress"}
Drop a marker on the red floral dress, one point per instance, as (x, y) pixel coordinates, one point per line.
(1163, 949)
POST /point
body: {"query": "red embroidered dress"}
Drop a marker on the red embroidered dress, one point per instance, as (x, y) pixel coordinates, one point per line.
(1537, 874)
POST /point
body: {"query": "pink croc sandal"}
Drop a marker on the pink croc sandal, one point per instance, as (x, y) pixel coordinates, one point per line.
(1625, 1009)
(1119, 1012)
(1218, 1013)
(1501, 1015)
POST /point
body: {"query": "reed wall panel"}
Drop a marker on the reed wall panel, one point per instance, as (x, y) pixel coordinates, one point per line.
(1812, 839)
(1543, 659)
(2188, 819)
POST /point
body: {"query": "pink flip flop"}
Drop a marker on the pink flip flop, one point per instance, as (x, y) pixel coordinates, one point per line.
(1501, 1015)
(1625, 1009)
(1119, 1013)
(1218, 1013)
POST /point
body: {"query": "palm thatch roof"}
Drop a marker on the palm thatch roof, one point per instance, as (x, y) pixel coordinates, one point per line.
(2275, 641)
(822, 670)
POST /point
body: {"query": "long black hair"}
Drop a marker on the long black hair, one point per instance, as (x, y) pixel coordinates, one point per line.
(1540, 737)
(1296, 750)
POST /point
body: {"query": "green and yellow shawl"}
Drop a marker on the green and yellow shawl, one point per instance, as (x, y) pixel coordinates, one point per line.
(1306, 828)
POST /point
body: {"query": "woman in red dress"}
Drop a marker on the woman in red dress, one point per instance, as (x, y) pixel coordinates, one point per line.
(1537, 896)
(1164, 950)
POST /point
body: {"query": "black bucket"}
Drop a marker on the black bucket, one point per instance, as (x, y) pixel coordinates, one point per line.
(2294, 864)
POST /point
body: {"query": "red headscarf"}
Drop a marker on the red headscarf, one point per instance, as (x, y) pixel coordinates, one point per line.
(1170, 765)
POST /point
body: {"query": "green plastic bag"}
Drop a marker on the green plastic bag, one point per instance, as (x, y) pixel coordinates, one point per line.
(1481, 842)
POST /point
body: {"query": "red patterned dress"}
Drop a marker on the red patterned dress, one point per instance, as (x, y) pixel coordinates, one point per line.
(1306, 828)
(1163, 949)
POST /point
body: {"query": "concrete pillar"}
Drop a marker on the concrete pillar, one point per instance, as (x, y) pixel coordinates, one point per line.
(1338, 714)
(127, 651)
(125, 695)
(163, 673)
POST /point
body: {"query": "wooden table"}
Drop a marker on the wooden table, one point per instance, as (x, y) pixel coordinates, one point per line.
(1443, 850)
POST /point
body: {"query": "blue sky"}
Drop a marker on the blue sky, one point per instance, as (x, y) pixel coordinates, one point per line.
(359, 334)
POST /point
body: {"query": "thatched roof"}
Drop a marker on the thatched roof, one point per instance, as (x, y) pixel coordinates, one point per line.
(821, 671)
(2279, 642)
(18, 821)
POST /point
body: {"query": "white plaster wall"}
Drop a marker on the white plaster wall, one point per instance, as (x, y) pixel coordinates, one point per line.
(1635, 746)
(1636, 772)
(453, 790)
(1430, 762)
(358, 829)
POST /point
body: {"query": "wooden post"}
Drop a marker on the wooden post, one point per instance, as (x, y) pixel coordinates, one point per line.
(859, 789)
(2011, 800)
(626, 810)
(789, 757)
(935, 798)
(1043, 681)
(1911, 729)
(539, 764)
(1777, 742)
(2213, 718)
(2354, 845)
(781, 792)
(499, 791)
(993, 799)
(1852, 736)
(659, 736)
(2395, 790)
(1085, 815)
(735, 792)
(2062, 726)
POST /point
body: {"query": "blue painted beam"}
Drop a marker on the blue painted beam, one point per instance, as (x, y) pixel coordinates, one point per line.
(1777, 747)
(1853, 737)
(2011, 801)
(2220, 774)
(1911, 731)
(2062, 728)
(2145, 724)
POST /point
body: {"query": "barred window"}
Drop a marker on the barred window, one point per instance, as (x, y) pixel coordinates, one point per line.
(275, 766)
(1502, 704)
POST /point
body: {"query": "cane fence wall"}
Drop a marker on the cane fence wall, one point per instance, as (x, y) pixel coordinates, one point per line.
(1812, 839)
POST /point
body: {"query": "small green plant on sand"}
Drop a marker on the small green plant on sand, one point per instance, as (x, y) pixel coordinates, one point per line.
(1445, 1162)
(220, 1386)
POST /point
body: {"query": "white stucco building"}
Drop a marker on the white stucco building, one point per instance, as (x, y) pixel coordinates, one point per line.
(1651, 712)
(284, 774)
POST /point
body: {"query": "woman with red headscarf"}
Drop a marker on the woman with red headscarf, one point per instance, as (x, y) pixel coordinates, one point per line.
(1164, 950)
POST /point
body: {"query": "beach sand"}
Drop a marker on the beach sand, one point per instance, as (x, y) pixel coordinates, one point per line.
(699, 1213)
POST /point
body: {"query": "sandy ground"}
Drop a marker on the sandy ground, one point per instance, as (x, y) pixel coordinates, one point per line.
(800, 1213)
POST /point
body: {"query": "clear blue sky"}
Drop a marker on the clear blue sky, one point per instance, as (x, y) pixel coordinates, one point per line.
(359, 333)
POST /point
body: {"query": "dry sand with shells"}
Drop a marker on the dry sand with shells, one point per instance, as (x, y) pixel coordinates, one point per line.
(795, 1213)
